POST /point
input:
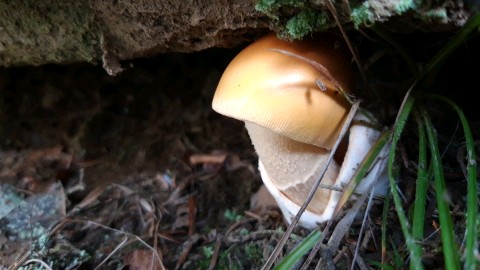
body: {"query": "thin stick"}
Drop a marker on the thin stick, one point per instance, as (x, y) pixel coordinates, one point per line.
(364, 221)
(315, 64)
(42, 263)
(283, 240)
(119, 246)
(322, 69)
(347, 40)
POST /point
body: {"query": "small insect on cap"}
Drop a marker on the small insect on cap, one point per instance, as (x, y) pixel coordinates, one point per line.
(270, 85)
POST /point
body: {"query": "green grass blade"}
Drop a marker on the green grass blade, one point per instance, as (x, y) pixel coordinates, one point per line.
(450, 250)
(397, 260)
(297, 253)
(386, 208)
(411, 244)
(471, 233)
(458, 39)
(418, 221)
(381, 266)
(397, 257)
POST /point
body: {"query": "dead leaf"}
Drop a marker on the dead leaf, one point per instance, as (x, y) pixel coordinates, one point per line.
(142, 259)
(217, 158)
(262, 201)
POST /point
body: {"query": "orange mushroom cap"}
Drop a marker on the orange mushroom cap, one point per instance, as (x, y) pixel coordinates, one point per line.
(267, 85)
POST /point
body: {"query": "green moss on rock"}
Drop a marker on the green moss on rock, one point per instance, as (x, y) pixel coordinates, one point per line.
(272, 7)
(374, 11)
(306, 22)
(296, 19)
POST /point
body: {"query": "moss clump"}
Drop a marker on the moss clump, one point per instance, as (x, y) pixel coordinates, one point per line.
(306, 22)
(296, 19)
(372, 11)
(272, 7)
(246, 256)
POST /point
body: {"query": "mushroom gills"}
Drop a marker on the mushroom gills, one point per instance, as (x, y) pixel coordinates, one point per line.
(293, 166)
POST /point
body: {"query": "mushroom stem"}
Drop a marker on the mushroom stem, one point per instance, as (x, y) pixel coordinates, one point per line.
(293, 166)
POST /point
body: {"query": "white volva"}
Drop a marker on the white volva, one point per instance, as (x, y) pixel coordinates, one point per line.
(290, 196)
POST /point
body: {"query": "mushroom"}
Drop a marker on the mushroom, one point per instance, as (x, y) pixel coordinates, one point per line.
(293, 113)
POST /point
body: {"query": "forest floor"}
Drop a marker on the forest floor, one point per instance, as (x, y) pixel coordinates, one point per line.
(102, 172)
